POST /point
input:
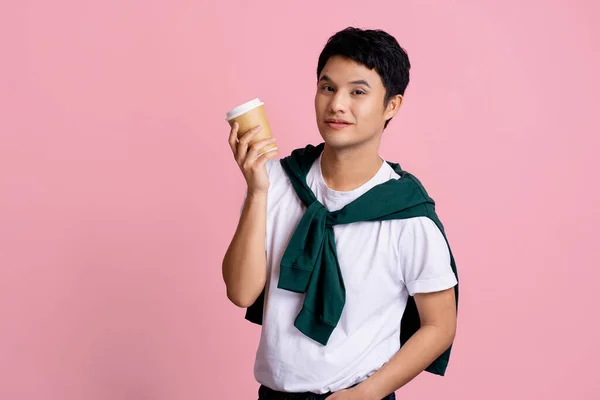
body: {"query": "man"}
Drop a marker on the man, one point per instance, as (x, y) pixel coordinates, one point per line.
(335, 246)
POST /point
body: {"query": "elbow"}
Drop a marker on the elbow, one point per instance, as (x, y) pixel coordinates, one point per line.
(445, 332)
(239, 299)
(451, 336)
(450, 332)
(242, 291)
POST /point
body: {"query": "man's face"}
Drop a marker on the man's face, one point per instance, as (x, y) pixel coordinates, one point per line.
(349, 104)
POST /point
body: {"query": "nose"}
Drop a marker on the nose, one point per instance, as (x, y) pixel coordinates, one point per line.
(339, 103)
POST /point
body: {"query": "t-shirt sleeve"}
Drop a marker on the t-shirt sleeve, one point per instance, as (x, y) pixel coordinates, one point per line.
(425, 257)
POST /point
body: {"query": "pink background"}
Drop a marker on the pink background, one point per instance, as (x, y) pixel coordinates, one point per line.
(119, 195)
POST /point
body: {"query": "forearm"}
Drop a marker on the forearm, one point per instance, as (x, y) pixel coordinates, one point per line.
(417, 354)
(244, 264)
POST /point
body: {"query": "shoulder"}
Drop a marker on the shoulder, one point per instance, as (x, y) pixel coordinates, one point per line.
(425, 257)
(420, 231)
(420, 240)
(406, 181)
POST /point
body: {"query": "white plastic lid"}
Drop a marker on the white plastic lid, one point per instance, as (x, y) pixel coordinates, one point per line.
(244, 108)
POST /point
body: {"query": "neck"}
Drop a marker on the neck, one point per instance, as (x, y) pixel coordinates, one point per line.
(347, 169)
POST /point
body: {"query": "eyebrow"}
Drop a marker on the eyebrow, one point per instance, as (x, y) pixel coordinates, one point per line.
(358, 82)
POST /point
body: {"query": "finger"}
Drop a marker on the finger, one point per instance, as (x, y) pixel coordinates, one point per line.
(247, 137)
(233, 137)
(242, 145)
(256, 151)
(256, 148)
(262, 160)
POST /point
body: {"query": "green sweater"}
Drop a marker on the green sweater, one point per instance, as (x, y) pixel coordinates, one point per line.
(310, 264)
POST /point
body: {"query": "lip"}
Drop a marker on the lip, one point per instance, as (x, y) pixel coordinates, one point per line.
(337, 123)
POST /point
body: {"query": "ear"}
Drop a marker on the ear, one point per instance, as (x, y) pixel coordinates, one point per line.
(393, 106)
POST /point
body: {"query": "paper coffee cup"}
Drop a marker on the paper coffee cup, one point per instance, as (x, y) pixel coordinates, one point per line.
(249, 115)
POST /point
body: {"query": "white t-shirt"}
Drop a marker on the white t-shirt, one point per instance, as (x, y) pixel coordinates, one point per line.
(382, 263)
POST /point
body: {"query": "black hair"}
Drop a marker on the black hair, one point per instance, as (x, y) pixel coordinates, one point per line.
(375, 49)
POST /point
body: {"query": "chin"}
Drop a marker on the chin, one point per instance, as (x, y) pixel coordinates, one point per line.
(338, 141)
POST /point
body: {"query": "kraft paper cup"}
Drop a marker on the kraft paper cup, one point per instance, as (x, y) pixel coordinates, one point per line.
(249, 115)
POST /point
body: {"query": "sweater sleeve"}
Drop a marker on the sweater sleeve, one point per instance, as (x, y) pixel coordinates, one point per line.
(424, 257)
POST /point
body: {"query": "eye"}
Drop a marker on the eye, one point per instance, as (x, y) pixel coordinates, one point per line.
(359, 92)
(327, 88)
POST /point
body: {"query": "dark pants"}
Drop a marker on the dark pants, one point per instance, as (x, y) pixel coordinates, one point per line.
(264, 393)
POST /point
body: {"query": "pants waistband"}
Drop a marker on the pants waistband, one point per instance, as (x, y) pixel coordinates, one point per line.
(265, 393)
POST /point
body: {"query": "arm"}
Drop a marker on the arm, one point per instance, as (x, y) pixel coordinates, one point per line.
(427, 273)
(438, 326)
(244, 265)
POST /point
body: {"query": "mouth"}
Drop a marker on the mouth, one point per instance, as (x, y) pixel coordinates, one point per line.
(336, 123)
